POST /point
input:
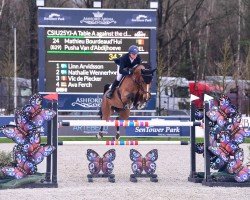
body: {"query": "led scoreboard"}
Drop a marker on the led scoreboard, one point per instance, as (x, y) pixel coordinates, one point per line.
(81, 60)
(77, 48)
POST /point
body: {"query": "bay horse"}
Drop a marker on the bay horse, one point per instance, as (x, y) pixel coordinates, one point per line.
(133, 91)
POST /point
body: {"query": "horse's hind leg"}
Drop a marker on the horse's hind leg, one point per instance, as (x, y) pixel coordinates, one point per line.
(122, 115)
(117, 136)
(105, 114)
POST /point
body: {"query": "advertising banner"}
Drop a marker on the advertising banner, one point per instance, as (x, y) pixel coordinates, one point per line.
(125, 131)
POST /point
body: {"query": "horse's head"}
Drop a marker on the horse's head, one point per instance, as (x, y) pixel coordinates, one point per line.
(144, 79)
(147, 75)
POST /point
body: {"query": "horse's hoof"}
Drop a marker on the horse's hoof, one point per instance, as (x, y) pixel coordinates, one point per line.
(141, 106)
(99, 136)
(117, 137)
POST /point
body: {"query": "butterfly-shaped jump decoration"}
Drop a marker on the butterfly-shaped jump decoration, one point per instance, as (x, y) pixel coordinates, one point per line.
(198, 114)
(199, 148)
(237, 134)
(235, 166)
(226, 107)
(36, 114)
(35, 151)
(217, 163)
(141, 163)
(216, 116)
(225, 148)
(19, 132)
(25, 133)
(98, 164)
(15, 133)
(146, 164)
(23, 166)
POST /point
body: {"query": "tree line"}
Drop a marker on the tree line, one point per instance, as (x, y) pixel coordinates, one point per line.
(195, 38)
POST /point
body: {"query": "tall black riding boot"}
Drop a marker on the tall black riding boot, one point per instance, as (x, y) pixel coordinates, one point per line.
(112, 89)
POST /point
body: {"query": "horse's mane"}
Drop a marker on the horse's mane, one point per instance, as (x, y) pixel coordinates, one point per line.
(141, 66)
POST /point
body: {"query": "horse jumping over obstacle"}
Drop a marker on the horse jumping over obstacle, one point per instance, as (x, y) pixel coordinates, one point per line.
(134, 91)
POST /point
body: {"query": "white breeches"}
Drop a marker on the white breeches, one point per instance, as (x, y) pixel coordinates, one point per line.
(118, 75)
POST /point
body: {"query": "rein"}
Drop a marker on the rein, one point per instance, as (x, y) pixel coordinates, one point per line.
(140, 87)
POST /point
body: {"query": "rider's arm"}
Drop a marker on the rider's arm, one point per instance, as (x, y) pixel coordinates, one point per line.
(123, 66)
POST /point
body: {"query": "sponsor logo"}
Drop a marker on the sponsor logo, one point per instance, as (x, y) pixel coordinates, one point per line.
(88, 102)
(54, 17)
(98, 19)
(141, 18)
(140, 34)
(172, 130)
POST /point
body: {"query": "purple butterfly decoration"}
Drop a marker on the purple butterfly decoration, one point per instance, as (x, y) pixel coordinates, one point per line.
(236, 167)
(226, 107)
(35, 151)
(103, 164)
(217, 163)
(198, 115)
(215, 116)
(35, 113)
(237, 134)
(20, 131)
(225, 147)
(23, 167)
(146, 163)
(199, 148)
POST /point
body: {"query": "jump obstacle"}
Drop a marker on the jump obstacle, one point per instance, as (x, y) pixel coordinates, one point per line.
(53, 137)
(207, 179)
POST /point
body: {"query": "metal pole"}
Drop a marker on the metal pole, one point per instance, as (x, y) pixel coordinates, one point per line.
(15, 72)
(192, 142)
(49, 142)
(206, 144)
(55, 144)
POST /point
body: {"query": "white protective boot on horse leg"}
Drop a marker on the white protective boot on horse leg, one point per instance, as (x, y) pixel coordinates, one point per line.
(140, 106)
(99, 135)
(117, 136)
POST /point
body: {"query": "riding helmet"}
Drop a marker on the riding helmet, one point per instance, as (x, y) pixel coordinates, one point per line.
(133, 49)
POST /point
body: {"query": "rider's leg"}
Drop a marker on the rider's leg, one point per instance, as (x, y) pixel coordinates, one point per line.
(115, 84)
(112, 89)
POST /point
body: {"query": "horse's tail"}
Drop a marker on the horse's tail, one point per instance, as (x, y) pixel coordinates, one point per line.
(106, 87)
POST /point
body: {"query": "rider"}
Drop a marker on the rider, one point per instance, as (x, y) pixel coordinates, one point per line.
(125, 66)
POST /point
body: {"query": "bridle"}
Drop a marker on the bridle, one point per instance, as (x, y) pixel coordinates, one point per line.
(139, 84)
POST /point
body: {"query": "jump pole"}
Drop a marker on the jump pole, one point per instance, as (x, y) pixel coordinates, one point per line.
(207, 176)
(193, 175)
(128, 123)
(52, 139)
(123, 143)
